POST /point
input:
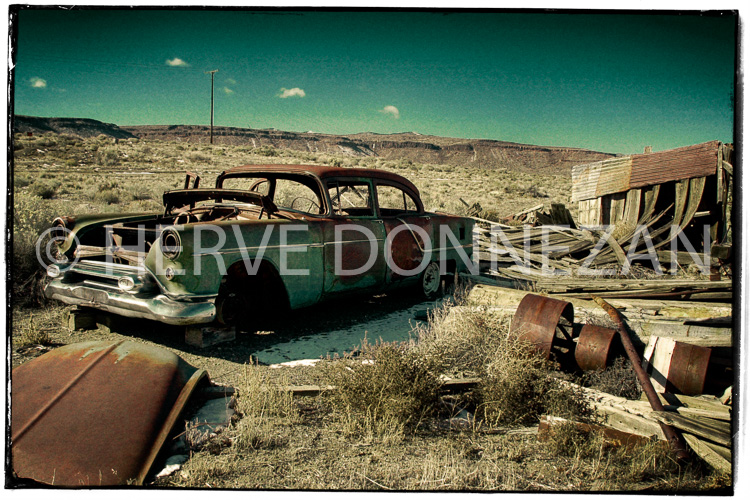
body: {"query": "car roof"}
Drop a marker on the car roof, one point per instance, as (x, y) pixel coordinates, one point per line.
(323, 172)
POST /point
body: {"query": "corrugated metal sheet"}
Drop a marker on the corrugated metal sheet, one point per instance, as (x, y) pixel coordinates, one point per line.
(689, 162)
(614, 177)
(594, 180)
(585, 178)
(597, 179)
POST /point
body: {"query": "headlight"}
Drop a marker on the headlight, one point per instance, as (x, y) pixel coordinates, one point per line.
(60, 228)
(171, 245)
(53, 271)
(126, 283)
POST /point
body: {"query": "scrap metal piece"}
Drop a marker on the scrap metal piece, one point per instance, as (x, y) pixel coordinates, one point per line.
(676, 367)
(594, 347)
(687, 373)
(96, 413)
(536, 320)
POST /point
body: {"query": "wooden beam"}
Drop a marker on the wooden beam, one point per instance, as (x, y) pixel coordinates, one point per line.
(622, 259)
(728, 167)
(693, 426)
(615, 437)
(708, 454)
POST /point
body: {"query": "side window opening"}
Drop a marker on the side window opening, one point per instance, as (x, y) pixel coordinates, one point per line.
(394, 201)
(351, 198)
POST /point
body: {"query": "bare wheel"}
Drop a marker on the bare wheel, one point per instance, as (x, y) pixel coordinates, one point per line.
(230, 308)
(431, 280)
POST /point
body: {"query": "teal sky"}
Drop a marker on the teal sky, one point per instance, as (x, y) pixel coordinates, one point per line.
(608, 82)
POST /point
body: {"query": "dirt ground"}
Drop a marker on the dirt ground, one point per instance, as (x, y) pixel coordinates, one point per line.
(328, 329)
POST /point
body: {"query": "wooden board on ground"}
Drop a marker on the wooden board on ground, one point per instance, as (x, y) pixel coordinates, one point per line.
(709, 454)
(547, 424)
(695, 426)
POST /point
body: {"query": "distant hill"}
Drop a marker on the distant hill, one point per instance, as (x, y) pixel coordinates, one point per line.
(82, 127)
(404, 146)
(409, 146)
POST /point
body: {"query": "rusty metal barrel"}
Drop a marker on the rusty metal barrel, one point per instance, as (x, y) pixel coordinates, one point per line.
(594, 347)
(537, 318)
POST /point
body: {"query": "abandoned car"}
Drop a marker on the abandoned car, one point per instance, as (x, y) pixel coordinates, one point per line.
(266, 237)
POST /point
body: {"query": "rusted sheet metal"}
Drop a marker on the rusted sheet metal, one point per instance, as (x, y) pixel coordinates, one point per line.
(537, 318)
(689, 162)
(614, 177)
(585, 178)
(597, 179)
(688, 368)
(96, 413)
(594, 347)
(618, 175)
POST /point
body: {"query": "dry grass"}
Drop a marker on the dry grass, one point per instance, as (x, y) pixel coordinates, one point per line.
(32, 334)
(385, 392)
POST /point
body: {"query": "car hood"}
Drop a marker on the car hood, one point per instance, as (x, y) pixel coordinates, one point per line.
(182, 197)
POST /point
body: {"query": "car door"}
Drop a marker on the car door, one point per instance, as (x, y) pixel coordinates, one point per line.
(409, 232)
(354, 238)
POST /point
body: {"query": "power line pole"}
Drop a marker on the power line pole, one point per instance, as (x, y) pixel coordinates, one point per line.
(211, 139)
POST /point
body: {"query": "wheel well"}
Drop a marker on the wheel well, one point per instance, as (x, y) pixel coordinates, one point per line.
(450, 267)
(266, 279)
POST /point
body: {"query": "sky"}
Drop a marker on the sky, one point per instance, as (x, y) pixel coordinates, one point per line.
(612, 82)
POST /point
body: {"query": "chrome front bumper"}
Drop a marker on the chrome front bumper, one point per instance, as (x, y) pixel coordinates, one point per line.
(152, 305)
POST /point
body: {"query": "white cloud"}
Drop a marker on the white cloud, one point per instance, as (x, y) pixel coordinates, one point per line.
(38, 83)
(296, 91)
(177, 62)
(228, 91)
(391, 110)
(231, 81)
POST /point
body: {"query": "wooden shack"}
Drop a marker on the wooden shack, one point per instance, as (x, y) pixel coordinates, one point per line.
(689, 187)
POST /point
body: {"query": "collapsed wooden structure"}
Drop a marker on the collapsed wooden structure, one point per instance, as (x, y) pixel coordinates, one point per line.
(652, 206)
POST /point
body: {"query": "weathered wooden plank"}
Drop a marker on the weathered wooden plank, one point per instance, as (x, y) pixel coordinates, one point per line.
(622, 259)
(703, 402)
(626, 241)
(629, 422)
(724, 451)
(547, 423)
(682, 188)
(632, 207)
(451, 385)
(728, 167)
(589, 212)
(694, 196)
(693, 426)
(649, 203)
(708, 454)
(488, 294)
(617, 208)
(682, 258)
(719, 176)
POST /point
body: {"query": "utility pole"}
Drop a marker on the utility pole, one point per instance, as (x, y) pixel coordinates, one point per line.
(211, 139)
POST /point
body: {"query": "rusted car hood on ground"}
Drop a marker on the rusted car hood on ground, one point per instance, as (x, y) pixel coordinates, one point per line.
(96, 413)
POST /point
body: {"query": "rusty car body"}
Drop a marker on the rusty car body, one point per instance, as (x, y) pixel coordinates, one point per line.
(264, 237)
(97, 413)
